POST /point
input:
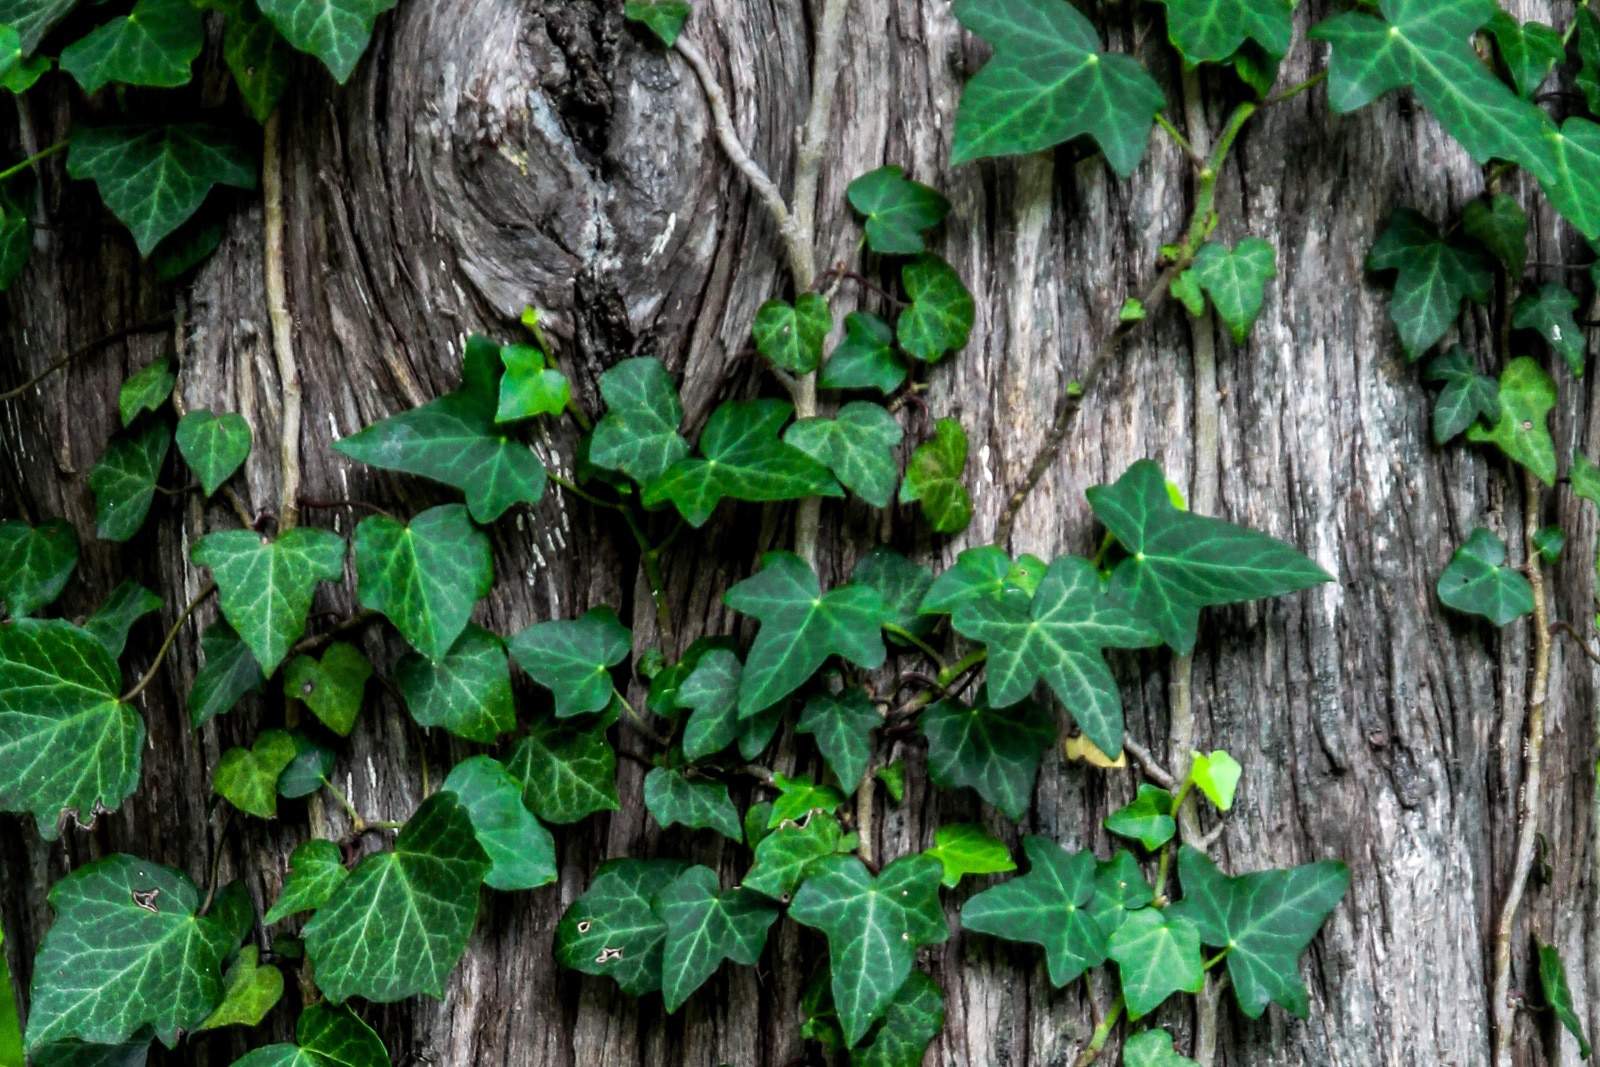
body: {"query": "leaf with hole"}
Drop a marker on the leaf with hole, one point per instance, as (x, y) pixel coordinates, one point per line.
(898, 210)
(468, 692)
(842, 726)
(1479, 582)
(791, 336)
(247, 778)
(1466, 397)
(425, 576)
(940, 317)
(153, 44)
(35, 564)
(933, 478)
(573, 658)
(124, 480)
(331, 687)
(866, 358)
(566, 773)
(613, 929)
(1522, 432)
(706, 924)
(995, 751)
(316, 871)
(965, 848)
(1549, 313)
(522, 854)
(214, 446)
(857, 445)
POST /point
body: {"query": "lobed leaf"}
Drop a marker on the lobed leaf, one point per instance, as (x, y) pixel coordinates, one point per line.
(1479, 582)
(124, 480)
(426, 576)
(468, 692)
(706, 924)
(1522, 432)
(265, 586)
(1049, 906)
(995, 751)
(674, 799)
(897, 209)
(933, 478)
(866, 358)
(316, 871)
(857, 445)
(522, 854)
(573, 658)
(566, 773)
(36, 563)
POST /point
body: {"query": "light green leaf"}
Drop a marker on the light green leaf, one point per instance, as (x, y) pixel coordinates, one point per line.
(424, 577)
(308, 772)
(566, 773)
(1549, 314)
(1557, 995)
(1148, 820)
(1466, 396)
(799, 797)
(528, 387)
(316, 871)
(145, 390)
(939, 320)
(664, 18)
(985, 572)
(613, 929)
(250, 990)
(124, 480)
(214, 446)
(1048, 906)
(1049, 82)
(468, 692)
(1216, 774)
(639, 433)
(785, 855)
(128, 603)
(1211, 31)
(1529, 50)
(1479, 582)
(573, 658)
(32, 19)
(866, 358)
(35, 564)
(1434, 276)
(933, 477)
(791, 336)
(1236, 279)
(910, 1023)
(247, 778)
(327, 1037)
(699, 804)
(258, 57)
(857, 446)
(1574, 183)
(706, 924)
(842, 726)
(1501, 226)
(521, 852)
(1153, 1048)
(229, 672)
(1527, 394)
(1157, 954)
(335, 31)
(965, 848)
(154, 44)
(902, 584)
(995, 751)
(332, 687)
(265, 587)
(893, 777)
(897, 209)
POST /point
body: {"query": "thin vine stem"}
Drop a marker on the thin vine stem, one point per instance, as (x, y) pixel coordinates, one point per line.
(639, 721)
(33, 160)
(1102, 1034)
(1295, 90)
(166, 644)
(912, 639)
(158, 324)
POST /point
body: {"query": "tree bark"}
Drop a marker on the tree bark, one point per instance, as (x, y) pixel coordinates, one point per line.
(490, 154)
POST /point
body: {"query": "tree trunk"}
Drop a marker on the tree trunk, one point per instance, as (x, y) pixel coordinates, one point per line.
(490, 154)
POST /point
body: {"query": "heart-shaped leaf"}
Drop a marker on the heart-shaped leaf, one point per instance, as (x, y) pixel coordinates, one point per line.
(857, 446)
(424, 577)
(1216, 774)
(335, 31)
(247, 778)
(528, 387)
(639, 433)
(866, 358)
(1147, 820)
(897, 209)
(939, 320)
(1522, 432)
(124, 480)
(331, 687)
(214, 446)
(995, 751)
(573, 658)
(933, 478)
(706, 924)
(35, 564)
(791, 336)
(1479, 582)
(468, 692)
(1236, 279)
(316, 870)
(265, 586)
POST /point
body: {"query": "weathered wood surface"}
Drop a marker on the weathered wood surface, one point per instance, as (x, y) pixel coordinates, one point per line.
(490, 154)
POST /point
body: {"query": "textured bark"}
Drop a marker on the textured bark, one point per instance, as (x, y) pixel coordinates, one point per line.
(492, 153)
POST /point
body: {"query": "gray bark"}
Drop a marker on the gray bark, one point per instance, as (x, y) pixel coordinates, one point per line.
(490, 154)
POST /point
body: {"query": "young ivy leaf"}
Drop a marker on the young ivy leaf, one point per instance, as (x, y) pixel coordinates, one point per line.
(742, 459)
(528, 387)
(214, 446)
(1158, 954)
(1501, 226)
(800, 628)
(699, 804)
(573, 658)
(1236, 279)
(939, 320)
(1466, 396)
(566, 773)
(249, 991)
(258, 57)
(1549, 314)
(124, 480)
(1264, 920)
(265, 587)
(842, 726)
(664, 18)
(522, 854)
(1548, 541)
(325, 1037)
(857, 446)
(1049, 82)
(1217, 776)
(128, 603)
(639, 433)
(247, 778)
(982, 573)
(1153, 1048)
(1585, 477)
(154, 44)
(785, 855)
(791, 336)
(995, 751)
(1179, 562)
(128, 950)
(335, 31)
(1211, 31)
(910, 1023)
(424, 577)
(68, 744)
(897, 209)
(966, 848)
(1522, 432)
(35, 564)
(145, 390)
(706, 924)
(933, 478)
(798, 798)
(866, 358)
(1048, 906)
(332, 687)
(316, 871)
(468, 692)
(1479, 582)
(399, 923)
(1147, 820)
(229, 672)
(1529, 50)
(1434, 276)
(874, 926)
(1558, 996)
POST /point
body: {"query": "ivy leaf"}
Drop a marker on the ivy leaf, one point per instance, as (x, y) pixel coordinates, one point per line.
(316, 871)
(124, 480)
(1549, 314)
(910, 1023)
(265, 587)
(1573, 185)
(897, 210)
(128, 950)
(857, 446)
(1119, 889)
(791, 336)
(214, 446)
(613, 930)
(1529, 50)
(706, 924)
(32, 19)
(1058, 638)
(982, 573)
(742, 459)
(74, 1053)
(902, 584)
(1585, 478)
(1479, 582)
(308, 772)
(639, 433)
(228, 673)
(16, 234)
(128, 603)
(866, 358)
(326, 1037)
(35, 564)
(1236, 279)
(68, 745)
(1178, 562)
(1501, 226)
(965, 848)
(145, 390)
(399, 923)
(1264, 920)
(573, 658)
(698, 804)
(1048, 906)
(1049, 82)
(424, 577)
(939, 320)
(154, 44)
(154, 177)
(247, 778)
(1553, 982)
(1158, 954)
(664, 18)
(1211, 31)
(528, 387)
(1217, 776)
(468, 692)
(566, 774)
(798, 798)
(258, 57)
(1548, 541)
(893, 777)
(332, 687)
(842, 726)
(874, 926)
(712, 690)
(1587, 79)
(1434, 276)
(335, 31)
(1153, 1048)
(522, 854)
(800, 628)
(250, 990)
(1148, 820)
(454, 440)
(995, 751)
(933, 477)
(1522, 432)
(784, 857)
(1466, 396)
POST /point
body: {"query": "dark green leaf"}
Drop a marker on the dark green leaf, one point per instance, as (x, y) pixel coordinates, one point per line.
(712, 691)
(1148, 820)
(791, 336)
(842, 726)
(1466, 396)
(1548, 541)
(424, 577)
(16, 238)
(1434, 276)
(910, 1023)
(1119, 889)
(942, 311)
(995, 751)
(902, 584)
(1157, 954)
(1529, 50)
(573, 658)
(248, 777)
(228, 672)
(528, 387)
(335, 31)
(1479, 582)
(316, 870)
(214, 446)
(1553, 980)
(521, 852)
(32, 19)
(639, 433)
(154, 44)
(866, 358)
(331, 687)
(1211, 31)
(145, 390)
(35, 564)
(566, 773)
(664, 18)
(857, 446)
(1501, 226)
(128, 603)
(706, 924)
(1527, 394)
(326, 1037)
(1048, 906)
(1549, 314)
(785, 855)
(1587, 80)
(265, 587)
(124, 480)
(1574, 183)
(699, 804)
(1236, 280)
(933, 477)
(985, 572)
(897, 209)
(308, 772)
(258, 57)
(613, 930)
(965, 848)
(468, 692)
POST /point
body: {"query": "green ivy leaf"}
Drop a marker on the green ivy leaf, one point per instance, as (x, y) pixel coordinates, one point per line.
(1147, 820)
(335, 31)
(866, 358)
(1264, 920)
(247, 778)
(128, 603)
(1236, 279)
(124, 480)
(316, 871)
(1479, 582)
(1153, 1048)
(742, 459)
(613, 930)
(1158, 954)
(784, 856)
(228, 673)
(258, 57)
(939, 319)
(214, 446)
(573, 658)
(902, 584)
(332, 687)
(842, 725)
(933, 477)
(249, 991)
(468, 692)
(982, 573)
(528, 387)
(706, 924)
(798, 798)
(1179, 562)
(910, 1023)
(68, 745)
(712, 690)
(857, 446)
(308, 772)
(966, 848)
(1216, 774)
(566, 774)
(154, 44)
(128, 950)
(399, 923)
(1059, 638)
(1585, 478)
(1211, 31)
(1529, 50)
(154, 177)
(639, 433)
(265, 586)
(145, 390)
(35, 564)
(1466, 396)
(32, 19)
(800, 628)
(1501, 226)
(1574, 183)
(1587, 79)
(1557, 995)
(1119, 889)
(424, 577)
(1548, 541)
(874, 926)
(1434, 276)
(664, 18)
(522, 854)
(791, 336)
(326, 1037)
(995, 751)
(1049, 82)
(893, 777)
(699, 804)
(1522, 432)
(1048, 906)
(897, 210)
(74, 1053)
(1549, 314)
